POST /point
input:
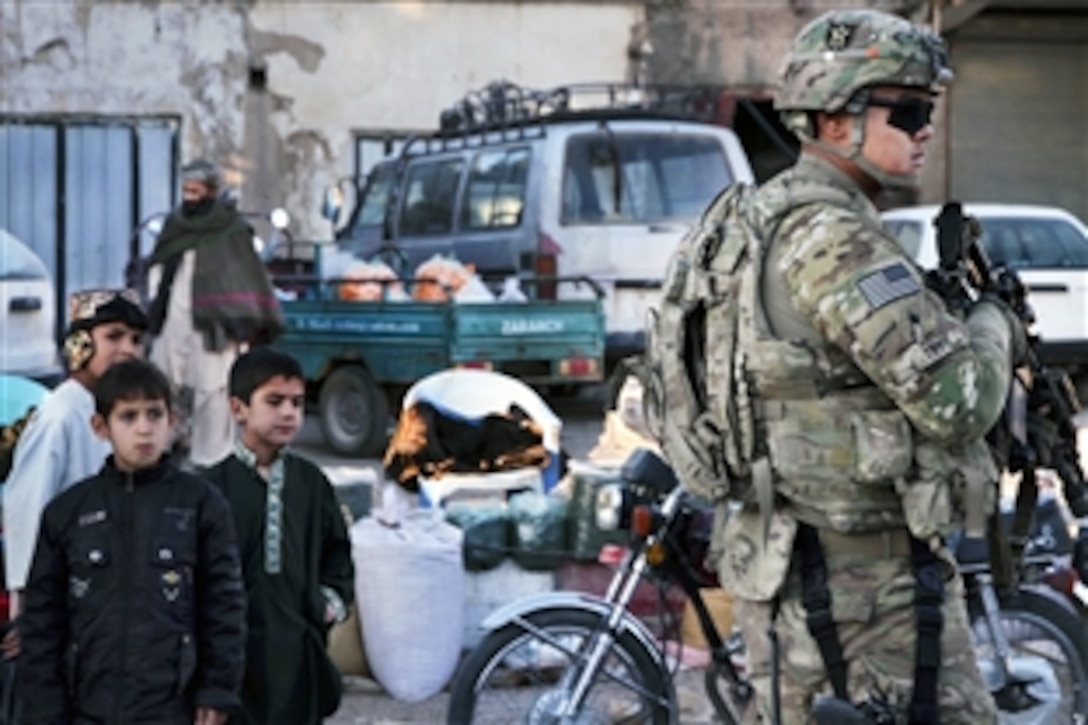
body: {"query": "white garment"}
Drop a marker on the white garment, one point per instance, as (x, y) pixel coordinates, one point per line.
(179, 352)
(56, 450)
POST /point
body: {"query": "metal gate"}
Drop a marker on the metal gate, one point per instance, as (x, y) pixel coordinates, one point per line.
(1018, 107)
(76, 190)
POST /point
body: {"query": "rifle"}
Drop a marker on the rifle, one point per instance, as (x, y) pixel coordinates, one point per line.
(1037, 428)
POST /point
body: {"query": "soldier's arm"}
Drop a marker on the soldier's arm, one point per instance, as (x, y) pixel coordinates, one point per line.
(949, 376)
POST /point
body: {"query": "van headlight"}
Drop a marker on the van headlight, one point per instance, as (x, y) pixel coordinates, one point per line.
(609, 510)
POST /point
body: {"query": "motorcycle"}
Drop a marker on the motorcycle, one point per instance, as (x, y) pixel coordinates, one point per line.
(1054, 557)
(569, 657)
(575, 658)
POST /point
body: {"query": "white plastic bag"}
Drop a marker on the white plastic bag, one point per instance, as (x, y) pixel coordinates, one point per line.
(409, 584)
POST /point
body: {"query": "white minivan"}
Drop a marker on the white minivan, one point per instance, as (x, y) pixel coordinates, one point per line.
(600, 192)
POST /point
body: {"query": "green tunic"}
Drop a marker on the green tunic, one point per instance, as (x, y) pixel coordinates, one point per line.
(289, 678)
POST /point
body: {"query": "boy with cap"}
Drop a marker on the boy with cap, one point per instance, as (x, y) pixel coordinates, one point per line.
(58, 446)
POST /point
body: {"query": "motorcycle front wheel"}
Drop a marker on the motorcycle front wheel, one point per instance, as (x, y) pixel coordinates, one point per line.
(523, 672)
(1048, 648)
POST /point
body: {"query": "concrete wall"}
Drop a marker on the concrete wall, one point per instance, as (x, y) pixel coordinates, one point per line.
(740, 44)
(274, 88)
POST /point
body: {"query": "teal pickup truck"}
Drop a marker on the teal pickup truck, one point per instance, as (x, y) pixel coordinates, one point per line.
(360, 356)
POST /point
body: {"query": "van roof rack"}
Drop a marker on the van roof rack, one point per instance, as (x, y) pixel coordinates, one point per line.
(503, 111)
(501, 104)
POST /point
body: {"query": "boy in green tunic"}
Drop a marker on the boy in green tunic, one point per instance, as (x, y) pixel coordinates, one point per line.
(295, 552)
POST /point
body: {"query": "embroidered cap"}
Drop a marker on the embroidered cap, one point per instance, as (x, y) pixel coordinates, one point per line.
(93, 307)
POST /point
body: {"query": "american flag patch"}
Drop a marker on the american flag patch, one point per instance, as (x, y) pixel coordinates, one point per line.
(887, 285)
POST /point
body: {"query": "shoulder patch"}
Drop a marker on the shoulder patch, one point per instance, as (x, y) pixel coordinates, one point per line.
(888, 284)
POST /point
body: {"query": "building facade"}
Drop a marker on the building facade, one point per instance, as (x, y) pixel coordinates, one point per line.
(101, 100)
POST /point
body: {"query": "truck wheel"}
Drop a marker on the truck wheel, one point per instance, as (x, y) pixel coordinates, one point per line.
(354, 412)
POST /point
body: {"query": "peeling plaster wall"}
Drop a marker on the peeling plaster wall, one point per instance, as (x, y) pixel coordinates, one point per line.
(334, 67)
(330, 67)
(737, 43)
(83, 58)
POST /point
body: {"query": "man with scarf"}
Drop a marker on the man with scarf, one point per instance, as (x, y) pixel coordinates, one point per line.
(213, 299)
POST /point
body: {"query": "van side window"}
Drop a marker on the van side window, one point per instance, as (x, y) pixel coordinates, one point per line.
(495, 196)
(430, 191)
(625, 178)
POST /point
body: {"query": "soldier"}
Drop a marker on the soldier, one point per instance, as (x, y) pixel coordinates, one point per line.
(873, 424)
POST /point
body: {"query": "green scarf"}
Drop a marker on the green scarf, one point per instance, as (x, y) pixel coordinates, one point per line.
(233, 299)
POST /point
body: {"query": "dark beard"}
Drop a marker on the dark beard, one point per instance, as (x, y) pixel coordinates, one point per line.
(197, 208)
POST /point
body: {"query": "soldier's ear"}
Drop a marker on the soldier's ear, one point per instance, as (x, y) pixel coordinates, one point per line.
(100, 426)
(834, 128)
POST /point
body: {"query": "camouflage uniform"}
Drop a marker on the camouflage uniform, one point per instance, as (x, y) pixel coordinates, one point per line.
(873, 422)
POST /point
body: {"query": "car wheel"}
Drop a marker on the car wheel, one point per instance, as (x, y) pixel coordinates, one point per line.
(354, 412)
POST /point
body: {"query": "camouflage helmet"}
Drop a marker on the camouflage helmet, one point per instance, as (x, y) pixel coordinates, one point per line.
(842, 52)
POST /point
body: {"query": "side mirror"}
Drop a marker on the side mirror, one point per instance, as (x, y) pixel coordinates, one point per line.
(332, 204)
(279, 218)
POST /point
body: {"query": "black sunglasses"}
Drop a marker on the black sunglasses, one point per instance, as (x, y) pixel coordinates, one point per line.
(909, 115)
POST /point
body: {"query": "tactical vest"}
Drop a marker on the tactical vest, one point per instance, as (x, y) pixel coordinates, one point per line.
(786, 423)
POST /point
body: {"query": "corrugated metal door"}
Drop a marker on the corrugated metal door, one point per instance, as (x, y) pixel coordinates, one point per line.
(1019, 110)
(75, 190)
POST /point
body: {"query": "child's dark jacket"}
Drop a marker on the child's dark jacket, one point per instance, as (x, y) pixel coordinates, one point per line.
(289, 679)
(135, 610)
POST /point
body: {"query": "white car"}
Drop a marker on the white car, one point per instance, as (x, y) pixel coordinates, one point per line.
(1047, 246)
(28, 314)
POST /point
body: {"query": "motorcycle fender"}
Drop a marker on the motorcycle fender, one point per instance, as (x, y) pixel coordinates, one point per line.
(573, 600)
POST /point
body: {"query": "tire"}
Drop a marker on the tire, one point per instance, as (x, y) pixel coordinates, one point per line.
(512, 676)
(353, 412)
(1048, 645)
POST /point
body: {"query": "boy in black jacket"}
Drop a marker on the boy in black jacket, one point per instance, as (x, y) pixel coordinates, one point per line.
(135, 610)
(295, 550)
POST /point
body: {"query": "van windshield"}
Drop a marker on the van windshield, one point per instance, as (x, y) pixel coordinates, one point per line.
(1031, 243)
(375, 196)
(631, 178)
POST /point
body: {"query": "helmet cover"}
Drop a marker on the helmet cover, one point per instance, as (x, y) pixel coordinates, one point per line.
(845, 51)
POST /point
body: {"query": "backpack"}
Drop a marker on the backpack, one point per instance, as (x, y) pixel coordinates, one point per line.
(695, 394)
